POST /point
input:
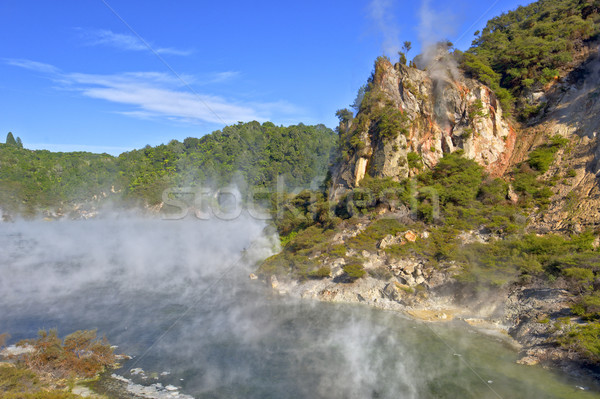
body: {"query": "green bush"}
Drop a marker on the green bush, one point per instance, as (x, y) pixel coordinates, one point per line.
(368, 239)
(580, 277)
(531, 191)
(414, 160)
(584, 339)
(588, 307)
(390, 122)
(287, 238)
(337, 251)
(354, 271)
(278, 265)
(457, 178)
(493, 192)
(541, 158)
(322, 272)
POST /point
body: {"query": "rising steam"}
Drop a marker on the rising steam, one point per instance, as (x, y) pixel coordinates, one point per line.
(382, 16)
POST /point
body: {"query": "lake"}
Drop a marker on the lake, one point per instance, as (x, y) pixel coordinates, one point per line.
(176, 296)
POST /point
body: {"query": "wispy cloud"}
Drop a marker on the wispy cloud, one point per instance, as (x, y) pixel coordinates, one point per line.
(161, 95)
(224, 76)
(33, 65)
(152, 98)
(127, 42)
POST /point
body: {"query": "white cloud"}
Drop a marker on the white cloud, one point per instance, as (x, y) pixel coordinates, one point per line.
(224, 76)
(160, 95)
(33, 65)
(171, 103)
(127, 42)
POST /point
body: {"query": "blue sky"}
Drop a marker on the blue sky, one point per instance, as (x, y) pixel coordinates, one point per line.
(114, 75)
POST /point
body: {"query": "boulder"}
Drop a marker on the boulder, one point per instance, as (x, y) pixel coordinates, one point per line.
(410, 236)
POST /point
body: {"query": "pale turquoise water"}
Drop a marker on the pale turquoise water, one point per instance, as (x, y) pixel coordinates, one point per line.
(163, 299)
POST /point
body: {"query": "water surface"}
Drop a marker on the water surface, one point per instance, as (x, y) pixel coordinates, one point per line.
(176, 296)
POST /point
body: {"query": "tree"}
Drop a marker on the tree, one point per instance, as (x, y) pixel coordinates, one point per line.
(359, 98)
(344, 115)
(406, 47)
(401, 57)
(19, 142)
(10, 139)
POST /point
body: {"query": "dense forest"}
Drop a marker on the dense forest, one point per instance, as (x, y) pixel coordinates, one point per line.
(252, 153)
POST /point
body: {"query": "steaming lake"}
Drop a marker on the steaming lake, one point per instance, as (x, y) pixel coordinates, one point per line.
(176, 296)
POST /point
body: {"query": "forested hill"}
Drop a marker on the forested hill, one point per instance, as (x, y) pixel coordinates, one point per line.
(31, 181)
(526, 49)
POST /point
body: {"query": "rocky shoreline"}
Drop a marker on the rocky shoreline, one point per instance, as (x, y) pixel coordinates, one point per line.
(118, 387)
(525, 316)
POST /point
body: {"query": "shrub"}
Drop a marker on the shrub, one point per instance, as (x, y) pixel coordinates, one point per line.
(457, 178)
(354, 271)
(476, 110)
(337, 251)
(287, 238)
(368, 239)
(584, 339)
(82, 354)
(588, 307)
(530, 189)
(542, 157)
(322, 272)
(580, 277)
(414, 160)
(274, 265)
(492, 192)
(390, 122)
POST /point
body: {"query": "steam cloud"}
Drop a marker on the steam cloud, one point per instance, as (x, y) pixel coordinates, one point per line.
(380, 13)
(172, 294)
(136, 278)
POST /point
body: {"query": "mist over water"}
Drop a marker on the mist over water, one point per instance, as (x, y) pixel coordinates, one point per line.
(176, 296)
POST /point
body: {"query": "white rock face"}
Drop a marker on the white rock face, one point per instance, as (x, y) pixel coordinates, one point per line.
(444, 115)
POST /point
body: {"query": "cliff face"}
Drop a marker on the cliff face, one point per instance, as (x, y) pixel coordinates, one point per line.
(442, 111)
(572, 110)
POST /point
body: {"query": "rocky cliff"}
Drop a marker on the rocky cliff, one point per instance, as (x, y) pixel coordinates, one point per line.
(440, 111)
(571, 109)
(518, 253)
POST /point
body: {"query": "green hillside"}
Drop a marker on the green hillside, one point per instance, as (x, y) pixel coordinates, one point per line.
(257, 153)
(530, 46)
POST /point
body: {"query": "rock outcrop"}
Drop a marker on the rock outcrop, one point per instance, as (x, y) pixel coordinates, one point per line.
(571, 109)
(442, 113)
